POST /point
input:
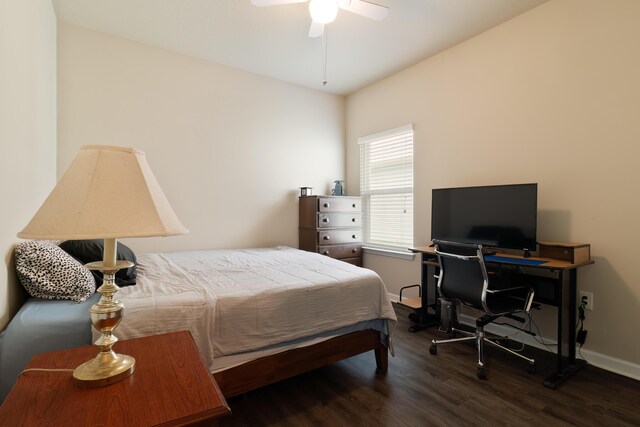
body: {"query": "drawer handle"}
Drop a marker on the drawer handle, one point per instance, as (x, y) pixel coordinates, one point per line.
(354, 205)
(325, 253)
(325, 219)
(326, 205)
(326, 237)
(354, 250)
(353, 220)
(354, 236)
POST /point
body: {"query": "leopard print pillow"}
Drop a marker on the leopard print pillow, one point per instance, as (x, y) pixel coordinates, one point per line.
(48, 272)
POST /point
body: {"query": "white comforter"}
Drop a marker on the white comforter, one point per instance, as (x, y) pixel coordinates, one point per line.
(236, 301)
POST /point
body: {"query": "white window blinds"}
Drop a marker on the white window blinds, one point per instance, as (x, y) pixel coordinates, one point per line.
(386, 188)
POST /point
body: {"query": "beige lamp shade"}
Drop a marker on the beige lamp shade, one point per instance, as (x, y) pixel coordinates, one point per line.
(107, 193)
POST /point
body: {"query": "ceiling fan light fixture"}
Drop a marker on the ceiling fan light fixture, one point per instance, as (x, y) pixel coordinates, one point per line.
(323, 11)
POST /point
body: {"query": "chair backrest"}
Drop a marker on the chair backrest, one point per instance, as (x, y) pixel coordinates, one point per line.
(463, 274)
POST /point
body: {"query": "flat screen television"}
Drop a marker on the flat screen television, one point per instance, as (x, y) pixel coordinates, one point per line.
(498, 216)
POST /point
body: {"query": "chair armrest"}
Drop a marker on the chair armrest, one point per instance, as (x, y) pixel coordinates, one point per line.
(528, 301)
(516, 288)
(461, 257)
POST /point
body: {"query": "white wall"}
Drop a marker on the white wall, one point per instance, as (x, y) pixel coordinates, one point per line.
(553, 97)
(27, 127)
(229, 148)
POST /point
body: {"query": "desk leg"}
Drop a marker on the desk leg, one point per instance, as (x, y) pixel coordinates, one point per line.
(429, 314)
(566, 362)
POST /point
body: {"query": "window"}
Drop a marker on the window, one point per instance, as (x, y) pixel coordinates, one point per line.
(386, 187)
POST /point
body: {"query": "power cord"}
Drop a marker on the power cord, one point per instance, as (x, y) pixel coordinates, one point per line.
(44, 370)
(510, 338)
(519, 329)
(581, 335)
(541, 340)
(531, 324)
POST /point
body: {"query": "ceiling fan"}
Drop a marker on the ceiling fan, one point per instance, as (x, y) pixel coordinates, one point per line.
(325, 11)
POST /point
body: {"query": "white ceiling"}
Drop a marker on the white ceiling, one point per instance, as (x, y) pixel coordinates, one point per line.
(273, 41)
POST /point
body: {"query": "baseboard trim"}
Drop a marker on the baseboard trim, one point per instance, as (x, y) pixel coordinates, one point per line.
(603, 361)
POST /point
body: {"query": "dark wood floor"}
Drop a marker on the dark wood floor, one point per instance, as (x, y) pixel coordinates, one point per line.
(443, 390)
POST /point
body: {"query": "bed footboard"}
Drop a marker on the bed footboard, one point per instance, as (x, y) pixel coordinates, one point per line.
(271, 369)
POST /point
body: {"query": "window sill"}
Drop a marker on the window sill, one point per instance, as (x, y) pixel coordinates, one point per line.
(393, 253)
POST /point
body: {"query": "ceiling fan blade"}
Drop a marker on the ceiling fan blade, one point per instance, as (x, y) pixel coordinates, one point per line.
(316, 29)
(261, 3)
(365, 8)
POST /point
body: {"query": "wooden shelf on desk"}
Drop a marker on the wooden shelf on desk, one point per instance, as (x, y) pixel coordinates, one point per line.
(549, 263)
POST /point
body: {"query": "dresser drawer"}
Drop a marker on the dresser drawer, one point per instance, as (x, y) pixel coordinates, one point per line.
(341, 251)
(327, 220)
(335, 237)
(339, 204)
(331, 225)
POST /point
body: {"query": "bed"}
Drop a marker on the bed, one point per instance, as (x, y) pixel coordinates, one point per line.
(257, 315)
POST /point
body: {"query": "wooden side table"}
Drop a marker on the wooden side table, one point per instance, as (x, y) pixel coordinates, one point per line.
(170, 386)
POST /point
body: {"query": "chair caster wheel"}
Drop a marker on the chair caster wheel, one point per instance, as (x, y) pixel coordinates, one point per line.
(482, 373)
(531, 368)
(433, 349)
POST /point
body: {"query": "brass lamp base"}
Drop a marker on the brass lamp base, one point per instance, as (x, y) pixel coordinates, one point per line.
(104, 369)
(107, 367)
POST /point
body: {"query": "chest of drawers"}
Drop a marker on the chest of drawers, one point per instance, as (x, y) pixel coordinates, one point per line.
(332, 226)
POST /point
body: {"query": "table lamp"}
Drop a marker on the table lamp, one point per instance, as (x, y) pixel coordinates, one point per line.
(107, 193)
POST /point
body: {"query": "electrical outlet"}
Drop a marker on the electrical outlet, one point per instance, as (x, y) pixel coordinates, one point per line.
(588, 296)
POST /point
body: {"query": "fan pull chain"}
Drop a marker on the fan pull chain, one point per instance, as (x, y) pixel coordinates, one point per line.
(324, 48)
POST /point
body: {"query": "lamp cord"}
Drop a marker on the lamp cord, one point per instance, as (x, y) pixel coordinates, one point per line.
(44, 370)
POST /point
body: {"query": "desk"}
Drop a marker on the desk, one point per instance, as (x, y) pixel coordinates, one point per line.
(170, 386)
(555, 282)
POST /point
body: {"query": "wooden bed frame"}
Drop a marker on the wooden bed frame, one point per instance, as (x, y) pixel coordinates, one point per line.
(270, 369)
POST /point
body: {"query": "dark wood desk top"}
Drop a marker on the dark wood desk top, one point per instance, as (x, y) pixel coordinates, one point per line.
(170, 386)
(550, 263)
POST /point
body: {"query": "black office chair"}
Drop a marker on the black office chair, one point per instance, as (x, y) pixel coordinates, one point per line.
(463, 277)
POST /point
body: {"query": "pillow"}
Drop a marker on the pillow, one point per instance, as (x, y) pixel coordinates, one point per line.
(48, 272)
(92, 250)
